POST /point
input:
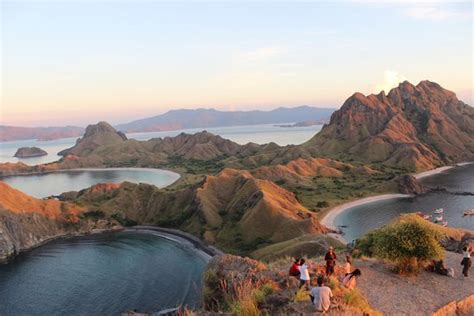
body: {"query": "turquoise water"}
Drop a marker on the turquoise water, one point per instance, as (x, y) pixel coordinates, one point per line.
(358, 220)
(54, 183)
(260, 134)
(102, 275)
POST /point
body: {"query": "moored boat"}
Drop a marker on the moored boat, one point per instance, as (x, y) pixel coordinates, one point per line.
(439, 211)
(469, 213)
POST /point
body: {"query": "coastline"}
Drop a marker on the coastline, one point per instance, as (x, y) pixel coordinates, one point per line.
(179, 236)
(329, 218)
(171, 234)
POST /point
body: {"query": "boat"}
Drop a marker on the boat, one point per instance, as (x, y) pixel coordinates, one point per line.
(439, 211)
(425, 216)
(438, 218)
(469, 212)
(444, 223)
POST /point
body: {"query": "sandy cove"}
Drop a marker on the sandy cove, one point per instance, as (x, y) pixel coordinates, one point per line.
(329, 219)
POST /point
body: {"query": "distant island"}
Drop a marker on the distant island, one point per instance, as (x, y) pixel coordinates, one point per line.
(29, 152)
(176, 120)
(304, 123)
(9, 133)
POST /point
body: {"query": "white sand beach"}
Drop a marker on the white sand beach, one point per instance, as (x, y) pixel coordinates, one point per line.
(329, 219)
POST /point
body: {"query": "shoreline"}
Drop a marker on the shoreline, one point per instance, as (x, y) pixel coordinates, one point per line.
(329, 218)
(181, 237)
(208, 250)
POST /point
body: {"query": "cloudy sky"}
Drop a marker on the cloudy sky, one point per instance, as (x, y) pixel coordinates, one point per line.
(84, 61)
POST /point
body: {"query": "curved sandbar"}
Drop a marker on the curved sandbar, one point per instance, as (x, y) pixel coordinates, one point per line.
(329, 219)
(179, 236)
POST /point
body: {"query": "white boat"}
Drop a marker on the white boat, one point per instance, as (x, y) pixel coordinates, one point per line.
(425, 216)
(469, 212)
(438, 218)
(444, 223)
(439, 211)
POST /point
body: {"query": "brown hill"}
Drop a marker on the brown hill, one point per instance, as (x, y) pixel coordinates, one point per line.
(413, 127)
(18, 202)
(26, 222)
(256, 209)
(103, 145)
(95, 136)
(299, 169)
(233, 210)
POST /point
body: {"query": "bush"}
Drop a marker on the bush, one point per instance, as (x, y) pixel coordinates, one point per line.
(322, 204)
(409, 243)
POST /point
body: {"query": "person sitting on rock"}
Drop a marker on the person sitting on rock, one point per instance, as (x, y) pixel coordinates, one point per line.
(350, 279)
(321, 296)
(330, 258)
(304, 274)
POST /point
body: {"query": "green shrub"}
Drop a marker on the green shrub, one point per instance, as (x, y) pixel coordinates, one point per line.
(321, 204)
(409, 243)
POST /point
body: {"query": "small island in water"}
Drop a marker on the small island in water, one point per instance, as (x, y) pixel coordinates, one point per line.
(29, 152)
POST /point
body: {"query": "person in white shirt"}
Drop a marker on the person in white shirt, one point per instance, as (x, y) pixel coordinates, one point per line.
(321, 296)
(348, 265)
(304, 274)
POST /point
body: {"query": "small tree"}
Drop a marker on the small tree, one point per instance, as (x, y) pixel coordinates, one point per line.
(409, 243)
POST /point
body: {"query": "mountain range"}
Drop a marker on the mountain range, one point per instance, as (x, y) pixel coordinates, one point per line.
(179, 119)
(202, 118)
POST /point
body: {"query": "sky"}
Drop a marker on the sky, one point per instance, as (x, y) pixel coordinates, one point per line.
(78, 62)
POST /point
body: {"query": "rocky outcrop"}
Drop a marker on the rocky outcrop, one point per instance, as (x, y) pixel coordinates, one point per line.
(413, 127)
(100, 134)
(408, 184)
(27, 222)
(27, 152)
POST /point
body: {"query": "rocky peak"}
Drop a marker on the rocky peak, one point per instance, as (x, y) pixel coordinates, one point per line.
(96, 135)
(414, 127)
(100, 128)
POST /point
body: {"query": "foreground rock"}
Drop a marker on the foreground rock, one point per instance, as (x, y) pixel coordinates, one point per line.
(27, 152)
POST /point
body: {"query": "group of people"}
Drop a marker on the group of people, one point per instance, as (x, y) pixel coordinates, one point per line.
(321, 294)
(439, 267)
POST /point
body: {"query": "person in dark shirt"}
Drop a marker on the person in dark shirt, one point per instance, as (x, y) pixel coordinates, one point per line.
(330, 258)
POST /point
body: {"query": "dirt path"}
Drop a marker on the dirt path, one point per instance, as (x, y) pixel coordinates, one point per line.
(396, 295)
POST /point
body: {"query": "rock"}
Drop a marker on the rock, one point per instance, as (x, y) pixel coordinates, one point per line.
(28, 152)
(408, 184)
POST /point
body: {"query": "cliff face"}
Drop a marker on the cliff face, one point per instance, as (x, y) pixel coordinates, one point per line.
(26, 222)
(413, 127)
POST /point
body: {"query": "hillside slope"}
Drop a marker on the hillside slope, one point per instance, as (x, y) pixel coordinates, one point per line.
(26, 222)
(413, 127)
